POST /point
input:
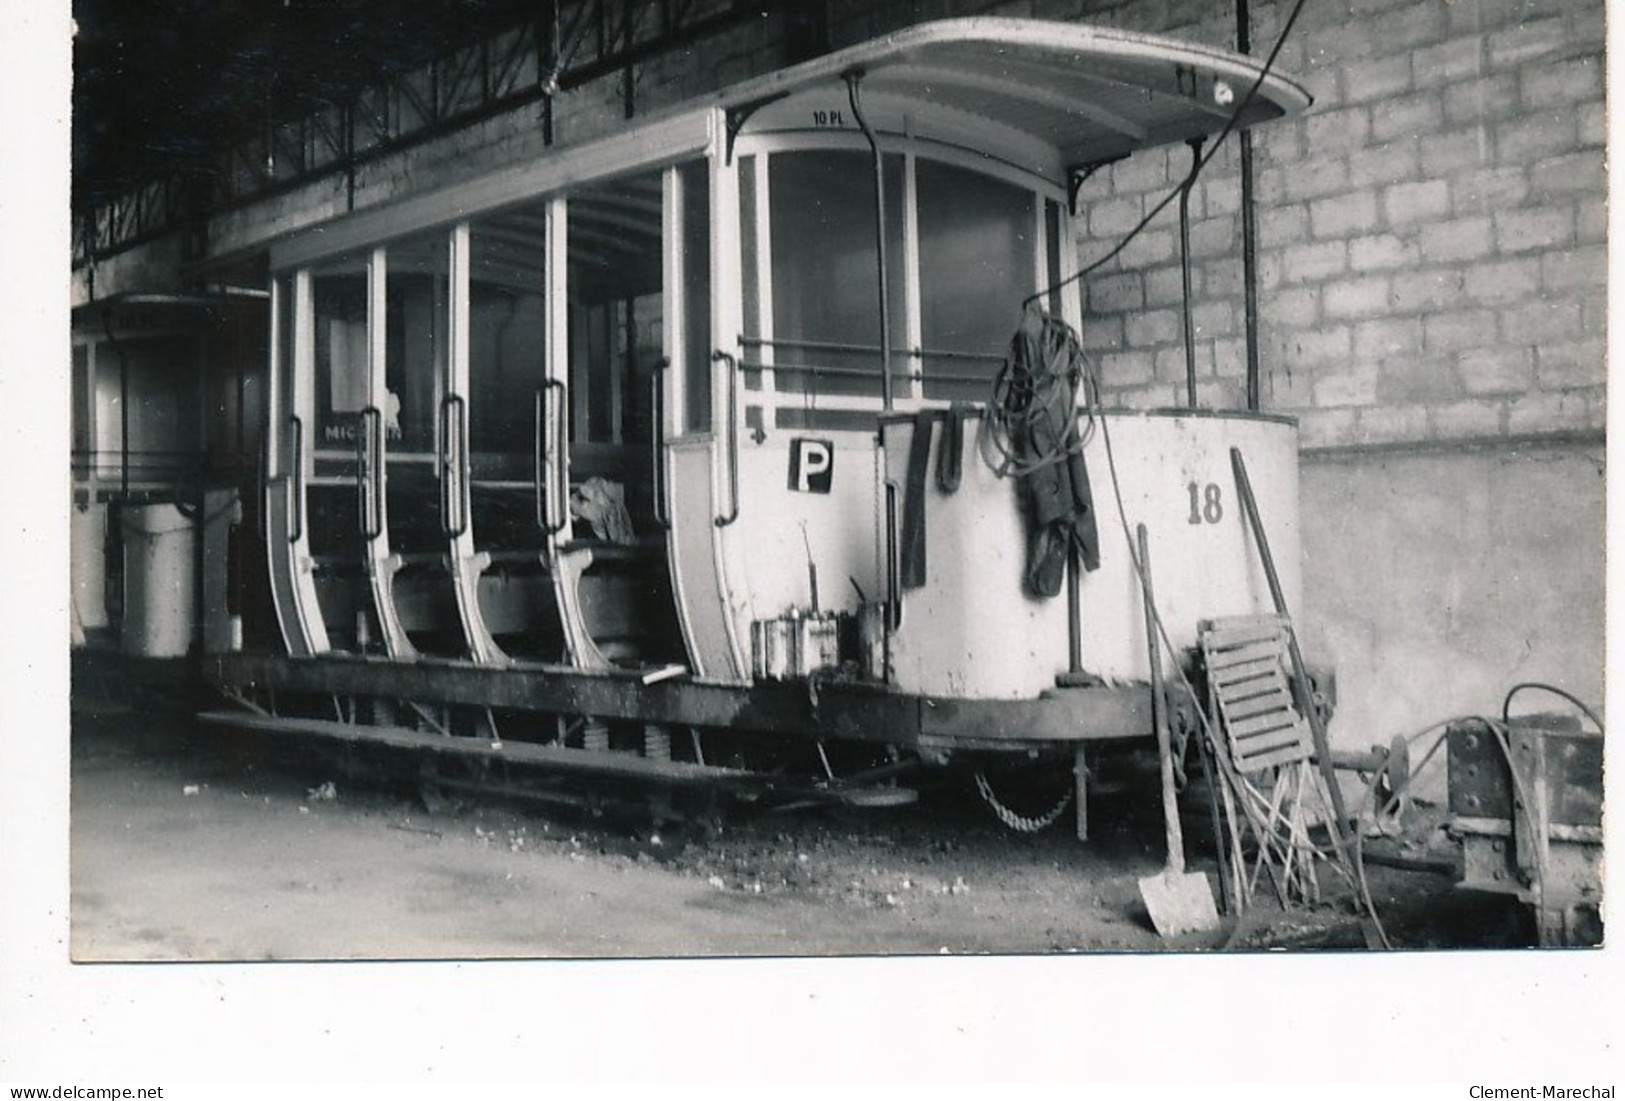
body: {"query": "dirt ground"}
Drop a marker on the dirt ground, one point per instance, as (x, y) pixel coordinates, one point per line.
(186, 847)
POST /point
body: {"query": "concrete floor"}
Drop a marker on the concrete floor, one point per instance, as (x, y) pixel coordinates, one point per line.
(250, 867)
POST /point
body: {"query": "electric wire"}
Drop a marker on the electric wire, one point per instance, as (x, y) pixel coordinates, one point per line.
(1229, 126)
(1506, 704)
(1026, 395)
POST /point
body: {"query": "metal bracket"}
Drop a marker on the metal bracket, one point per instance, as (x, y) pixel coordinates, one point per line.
(738, 116)
(1079, 174)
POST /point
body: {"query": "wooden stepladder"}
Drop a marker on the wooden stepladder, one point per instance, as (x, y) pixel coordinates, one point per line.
(1268, 750)
(1246, 659)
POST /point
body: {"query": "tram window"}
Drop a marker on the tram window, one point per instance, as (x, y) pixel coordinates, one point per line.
(826, 317)
(339, 294)
(159, 375)
(416, 307)
(615, 280)
(695, 180)
(977, 258)
(507, 340)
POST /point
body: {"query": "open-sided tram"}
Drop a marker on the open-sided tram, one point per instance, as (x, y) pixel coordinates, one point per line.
(686, 451)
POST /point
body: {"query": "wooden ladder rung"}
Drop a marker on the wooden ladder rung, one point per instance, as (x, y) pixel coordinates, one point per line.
(1272, 738)
(1236, 674)
(1287, 755)
(1257, 724)
(1277, 701)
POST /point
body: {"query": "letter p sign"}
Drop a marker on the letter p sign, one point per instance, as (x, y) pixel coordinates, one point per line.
(812, 465)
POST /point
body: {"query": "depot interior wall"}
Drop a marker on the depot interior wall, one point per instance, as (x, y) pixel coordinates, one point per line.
(1435, 580)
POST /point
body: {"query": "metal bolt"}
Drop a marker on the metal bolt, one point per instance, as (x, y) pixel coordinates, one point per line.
(1498, 846)
(1500, 874)
(1472, 800)
(1471, 741)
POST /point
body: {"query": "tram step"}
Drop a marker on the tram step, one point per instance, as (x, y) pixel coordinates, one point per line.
(548, 757)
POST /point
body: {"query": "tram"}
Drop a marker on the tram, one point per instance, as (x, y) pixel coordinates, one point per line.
(674, 454)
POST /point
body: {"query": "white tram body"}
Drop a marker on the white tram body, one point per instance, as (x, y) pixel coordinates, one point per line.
(685, 319)
(973, 630)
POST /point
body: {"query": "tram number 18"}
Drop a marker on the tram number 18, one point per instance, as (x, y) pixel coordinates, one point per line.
(1207, 505)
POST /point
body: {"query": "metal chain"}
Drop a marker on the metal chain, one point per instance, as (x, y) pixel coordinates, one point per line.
(1017, 822)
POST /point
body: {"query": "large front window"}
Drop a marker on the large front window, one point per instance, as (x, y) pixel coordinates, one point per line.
(976, 267)
(826, 304)
(965, 249)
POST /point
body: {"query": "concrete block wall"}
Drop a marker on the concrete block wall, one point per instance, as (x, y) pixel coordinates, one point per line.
(1431, 233)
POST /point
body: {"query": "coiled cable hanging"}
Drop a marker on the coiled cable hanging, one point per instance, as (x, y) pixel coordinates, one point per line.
(1041, 377)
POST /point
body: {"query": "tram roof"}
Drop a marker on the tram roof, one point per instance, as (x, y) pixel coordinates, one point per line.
(1093, 93)
(1088, 94)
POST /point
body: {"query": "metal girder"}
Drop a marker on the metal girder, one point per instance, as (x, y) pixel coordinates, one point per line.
(859, 712)
(564, 46)
(556, 758)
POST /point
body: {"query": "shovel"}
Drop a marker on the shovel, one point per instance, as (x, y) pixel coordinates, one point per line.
(1178, 901)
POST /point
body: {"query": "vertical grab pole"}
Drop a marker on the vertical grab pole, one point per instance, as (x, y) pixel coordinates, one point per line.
(294, 483)
(369, 441)
(1185, 267)
(853, 77)
(1300, 672)
(657, 406)
(538, 494)
(558, 491)
(1249, 229)
(454, 492)
(733, 438)
(443, 463)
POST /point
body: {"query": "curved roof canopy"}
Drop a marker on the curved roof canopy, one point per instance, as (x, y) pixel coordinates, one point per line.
(1092, 93)
(1071, 95)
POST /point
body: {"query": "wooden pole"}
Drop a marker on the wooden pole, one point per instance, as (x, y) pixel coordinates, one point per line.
(1300, 672)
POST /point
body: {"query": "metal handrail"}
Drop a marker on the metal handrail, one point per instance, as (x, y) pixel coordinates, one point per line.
(294, 501)
(733, 436)
(369, 447)
(657, 404)
(817, 369)
(558, 498)
(453, 462)
(538, 495)
(894, 568)
(872, 349)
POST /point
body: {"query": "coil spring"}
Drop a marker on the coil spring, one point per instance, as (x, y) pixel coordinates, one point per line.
(656, 742)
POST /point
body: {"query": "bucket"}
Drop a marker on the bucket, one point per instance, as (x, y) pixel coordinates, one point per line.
(159, 588)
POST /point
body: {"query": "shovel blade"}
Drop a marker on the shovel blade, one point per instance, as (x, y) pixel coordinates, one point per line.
(1179, 902)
